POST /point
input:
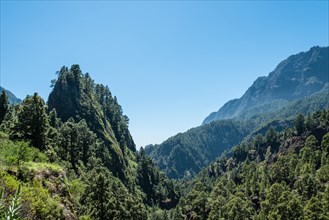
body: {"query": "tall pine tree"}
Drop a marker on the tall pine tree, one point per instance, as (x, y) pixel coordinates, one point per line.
(4, 105)
(33, 122)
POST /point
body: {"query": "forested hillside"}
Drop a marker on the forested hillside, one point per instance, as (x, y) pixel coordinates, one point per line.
(74, 157)
(185, 154)
(228, 105)
(279, 175)
(299, 84)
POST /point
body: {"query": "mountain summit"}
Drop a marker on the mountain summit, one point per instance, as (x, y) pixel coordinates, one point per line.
(298, 85)
(296, 77)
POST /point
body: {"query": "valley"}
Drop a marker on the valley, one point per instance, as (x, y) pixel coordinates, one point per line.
(263, 156)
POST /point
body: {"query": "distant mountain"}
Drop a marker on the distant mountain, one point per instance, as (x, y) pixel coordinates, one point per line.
(185, 154)
(261, 107)
(11, 97)
(298, 76)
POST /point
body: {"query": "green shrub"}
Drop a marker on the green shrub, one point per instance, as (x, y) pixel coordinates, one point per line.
(15, 153)
(12, 211)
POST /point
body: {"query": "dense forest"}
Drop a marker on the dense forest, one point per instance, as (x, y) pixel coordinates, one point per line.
(298, 85)
(185, 154)
(279, 175)
(74, 157)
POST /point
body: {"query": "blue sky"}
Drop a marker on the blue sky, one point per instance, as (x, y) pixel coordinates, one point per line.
(170, 63)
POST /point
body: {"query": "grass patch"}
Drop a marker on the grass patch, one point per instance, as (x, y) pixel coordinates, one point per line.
(34, 166)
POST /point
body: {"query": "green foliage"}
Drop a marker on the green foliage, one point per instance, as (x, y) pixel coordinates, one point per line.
(154, 183)
(10, 120)
(314, 209)
(15, 205)
(12, 211)
(4, 105)
(16, 153)
(105, 197)
(42, 205)
(77, 142)
(76, 96)
(275, 176)
(25, 166)
(33, 122)
(300, 124)
(78, 160)
(184, 155)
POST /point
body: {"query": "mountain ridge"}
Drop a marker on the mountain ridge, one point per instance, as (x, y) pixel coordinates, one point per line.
(297, 76)
(194, 143)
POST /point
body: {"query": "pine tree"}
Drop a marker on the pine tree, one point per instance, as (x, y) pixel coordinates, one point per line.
(77, 142)
(33, 122)
(4, 105)
(300, 124)
(314, 210)
(98, 196)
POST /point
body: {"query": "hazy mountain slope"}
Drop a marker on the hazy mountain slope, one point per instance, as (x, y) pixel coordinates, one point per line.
(172, 154)
(284, 117)
(306, 105)
(298, 76)
(12, 98)
(185, 154)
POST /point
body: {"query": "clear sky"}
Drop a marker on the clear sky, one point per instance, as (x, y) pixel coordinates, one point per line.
(170, 63)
